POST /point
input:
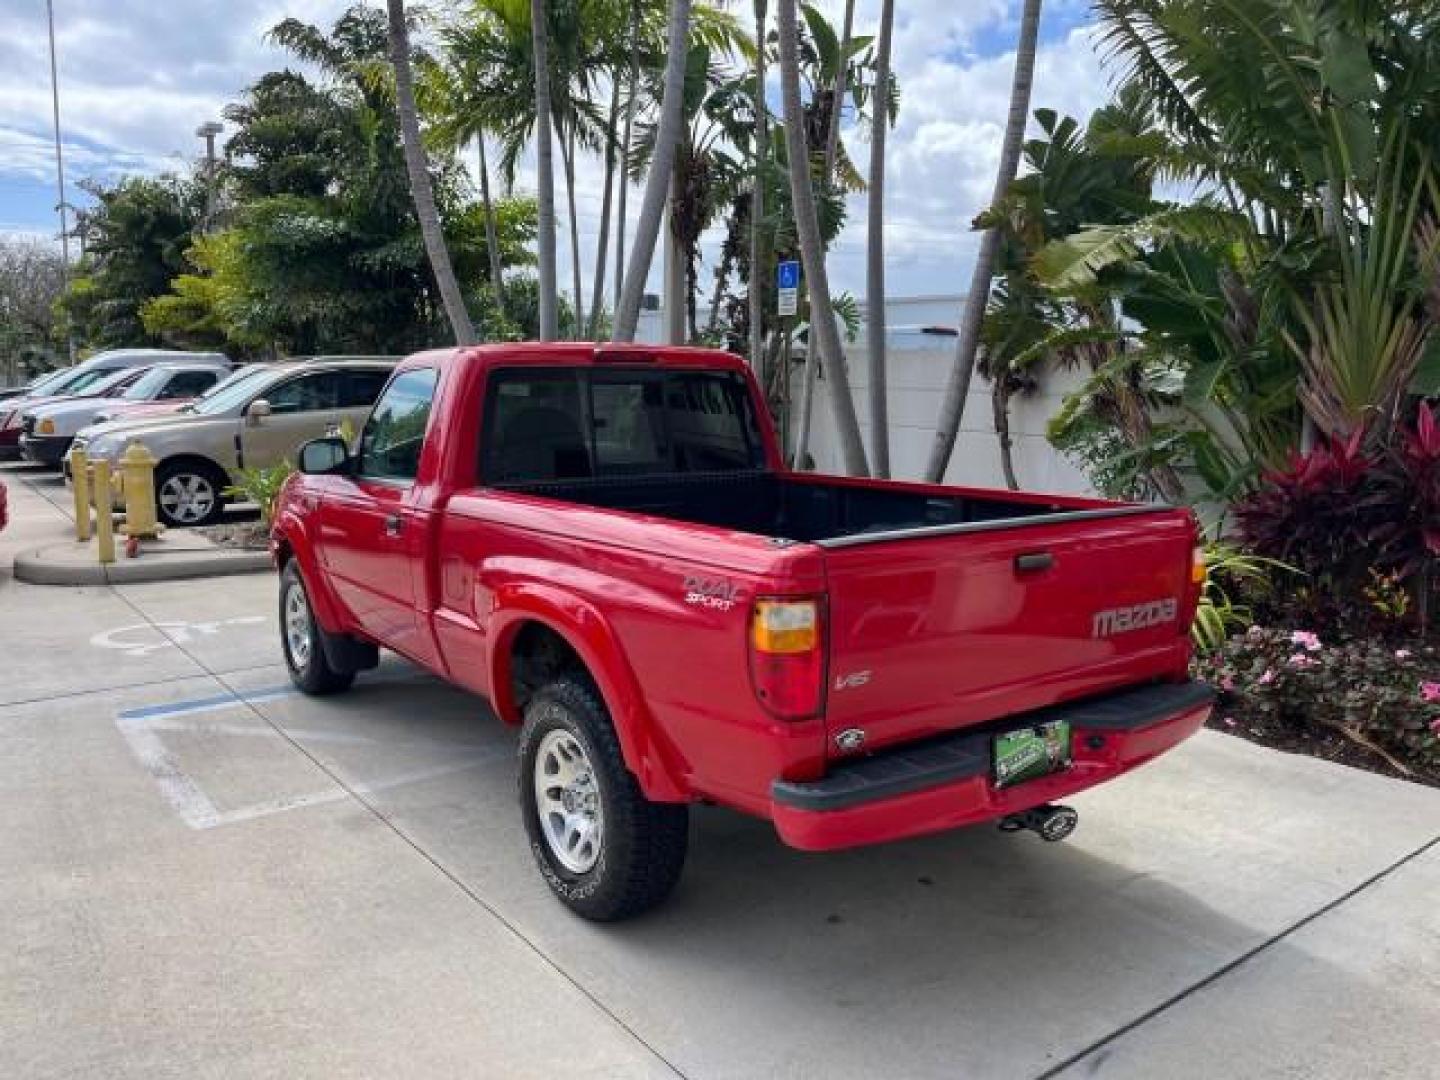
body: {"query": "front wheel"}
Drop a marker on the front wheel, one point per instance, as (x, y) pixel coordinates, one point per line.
(604, 849)
(189, 493)
(302, 639)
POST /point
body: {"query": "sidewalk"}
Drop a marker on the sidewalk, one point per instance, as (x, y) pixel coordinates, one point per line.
(41, 544)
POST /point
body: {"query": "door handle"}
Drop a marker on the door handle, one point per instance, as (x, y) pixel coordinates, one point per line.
(1033, 561)
(393, 525)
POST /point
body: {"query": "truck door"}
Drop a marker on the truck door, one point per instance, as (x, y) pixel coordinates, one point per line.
(371, 531)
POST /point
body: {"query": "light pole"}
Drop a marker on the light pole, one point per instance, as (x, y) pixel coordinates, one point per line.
(208, 131)
(59, 162)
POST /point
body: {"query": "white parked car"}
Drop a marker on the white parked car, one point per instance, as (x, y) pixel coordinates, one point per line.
(85, 378)
(255, 421)
(46, 430)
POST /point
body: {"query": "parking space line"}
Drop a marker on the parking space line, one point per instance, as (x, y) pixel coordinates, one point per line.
(361, 795)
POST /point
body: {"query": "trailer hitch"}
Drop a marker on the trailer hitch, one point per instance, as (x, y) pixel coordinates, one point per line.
(1049, 822)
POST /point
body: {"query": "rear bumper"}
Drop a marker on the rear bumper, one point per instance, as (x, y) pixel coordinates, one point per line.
(45, 449)
(946, 783)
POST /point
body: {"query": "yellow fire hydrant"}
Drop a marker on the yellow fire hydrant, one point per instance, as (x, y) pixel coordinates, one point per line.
(137, 468)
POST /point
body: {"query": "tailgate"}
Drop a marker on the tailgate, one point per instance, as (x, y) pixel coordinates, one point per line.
(937, 632)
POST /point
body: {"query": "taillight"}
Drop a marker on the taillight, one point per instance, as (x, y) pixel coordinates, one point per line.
(787, 658)
(1198, 571)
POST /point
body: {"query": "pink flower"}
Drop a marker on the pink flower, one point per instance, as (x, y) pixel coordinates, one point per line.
(1435, 725)
(1300, 660)
(1227, 683)
(1403, 654)
(1307, 640)
(1267, 678)
(1430, 691)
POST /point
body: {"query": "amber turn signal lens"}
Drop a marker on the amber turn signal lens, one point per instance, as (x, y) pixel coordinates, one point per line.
(785, 626)
(1198, 571)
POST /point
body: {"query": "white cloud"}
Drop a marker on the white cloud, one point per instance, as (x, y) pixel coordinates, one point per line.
(138, 76)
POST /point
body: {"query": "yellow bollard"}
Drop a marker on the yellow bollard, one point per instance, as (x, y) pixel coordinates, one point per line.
(137, 469)
(104, 512)
(79, 472)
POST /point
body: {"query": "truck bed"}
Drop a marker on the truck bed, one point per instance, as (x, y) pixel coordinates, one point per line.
(829, 511)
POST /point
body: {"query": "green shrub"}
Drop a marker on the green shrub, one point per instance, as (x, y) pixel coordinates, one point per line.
(1384, 698)
(261, 486)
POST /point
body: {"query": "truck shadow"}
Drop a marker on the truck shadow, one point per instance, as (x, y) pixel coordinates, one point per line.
(970, 953)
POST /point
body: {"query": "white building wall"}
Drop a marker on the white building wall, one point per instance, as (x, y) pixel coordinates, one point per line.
(918, 368)
(919, 364)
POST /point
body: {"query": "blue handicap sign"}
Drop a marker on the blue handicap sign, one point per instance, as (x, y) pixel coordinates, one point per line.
(787, 275)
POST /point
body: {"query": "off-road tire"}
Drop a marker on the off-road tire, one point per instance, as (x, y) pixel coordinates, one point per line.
(311, 671)
(643, 843)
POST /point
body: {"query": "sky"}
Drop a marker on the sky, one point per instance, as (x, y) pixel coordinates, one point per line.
(138, 76)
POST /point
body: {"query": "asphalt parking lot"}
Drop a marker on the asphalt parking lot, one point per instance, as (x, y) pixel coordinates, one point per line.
(208, 875)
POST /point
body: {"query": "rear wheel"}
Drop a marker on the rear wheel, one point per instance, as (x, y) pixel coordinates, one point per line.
(189, 493)
(603, 848)
(303, 639)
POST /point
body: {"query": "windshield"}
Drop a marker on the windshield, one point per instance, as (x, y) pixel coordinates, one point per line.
(148, 385)
(82, 380)
(232, 393)
(44, 383)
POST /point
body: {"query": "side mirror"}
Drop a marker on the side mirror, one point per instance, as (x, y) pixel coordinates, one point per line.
(324, 457)
(257, 411)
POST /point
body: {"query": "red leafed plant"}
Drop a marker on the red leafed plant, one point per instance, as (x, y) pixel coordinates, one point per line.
(1318, 513)
(1408, 478)
(1340, 515)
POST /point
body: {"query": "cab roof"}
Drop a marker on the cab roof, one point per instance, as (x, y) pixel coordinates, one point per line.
(579, 354)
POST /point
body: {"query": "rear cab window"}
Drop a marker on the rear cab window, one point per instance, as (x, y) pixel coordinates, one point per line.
(543, 425)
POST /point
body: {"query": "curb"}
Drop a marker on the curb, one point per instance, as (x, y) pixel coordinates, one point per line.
(35, 568)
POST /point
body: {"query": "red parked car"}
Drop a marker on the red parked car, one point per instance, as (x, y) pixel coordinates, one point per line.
(605, 542)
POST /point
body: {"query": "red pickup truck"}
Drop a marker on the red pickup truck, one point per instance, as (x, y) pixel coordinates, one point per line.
(604, 542)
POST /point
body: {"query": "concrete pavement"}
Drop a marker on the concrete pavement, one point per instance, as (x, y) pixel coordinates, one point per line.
(213, 876)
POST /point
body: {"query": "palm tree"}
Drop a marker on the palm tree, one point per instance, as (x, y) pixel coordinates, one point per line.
(632, 83)
(953, 408)
(658, 183)
(823, 333)
(446, 92)
(875, 247)
(545, 169)
(420, 187)
(832, 137)
(756, 295)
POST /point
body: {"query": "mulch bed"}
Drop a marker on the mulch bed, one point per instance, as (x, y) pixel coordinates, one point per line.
(1321, 743)
(242, 535)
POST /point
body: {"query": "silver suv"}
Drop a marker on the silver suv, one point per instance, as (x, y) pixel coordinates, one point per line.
(257, 420)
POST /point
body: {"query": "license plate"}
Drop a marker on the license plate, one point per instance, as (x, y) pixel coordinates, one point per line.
(1027, 753)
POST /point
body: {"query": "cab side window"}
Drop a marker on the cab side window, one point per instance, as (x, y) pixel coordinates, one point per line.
(394, 435)
(189, 384)
(308, 393)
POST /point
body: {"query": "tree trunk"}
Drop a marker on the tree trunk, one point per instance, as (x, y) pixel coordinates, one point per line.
(875, 249)
(492, 238)
(823, 332)
(1000, 407)
(832, 136)
(758, 268)
(952, 411)
(597, 296)
(420, 188)
(567, 154)
(545, 170)
(633, 85)
(657, 184)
